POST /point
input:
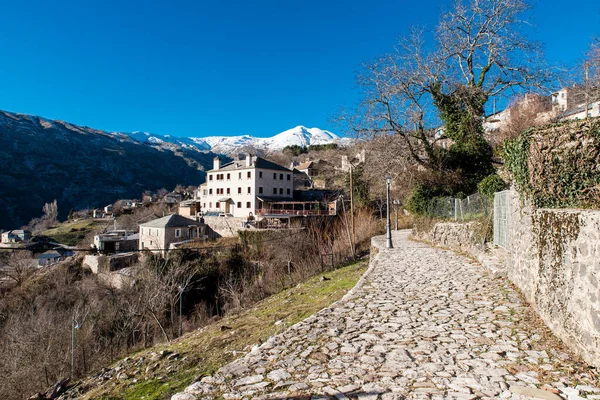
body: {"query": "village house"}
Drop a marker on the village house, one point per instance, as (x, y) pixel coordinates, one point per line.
(189, 209)
(172, 198)
(565, 104)
(116, 241)
(16, 236)
(244, 188)
(54, 256)
(167, 232)
(311, 174)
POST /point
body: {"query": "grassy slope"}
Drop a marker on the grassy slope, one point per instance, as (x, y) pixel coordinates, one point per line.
(203, 351)
(71, 233)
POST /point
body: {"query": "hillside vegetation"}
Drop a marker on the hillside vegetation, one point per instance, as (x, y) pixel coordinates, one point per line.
(80, 167)
(160, 371)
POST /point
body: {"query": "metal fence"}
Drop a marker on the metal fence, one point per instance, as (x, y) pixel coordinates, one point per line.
(502, 219)
(469, 208)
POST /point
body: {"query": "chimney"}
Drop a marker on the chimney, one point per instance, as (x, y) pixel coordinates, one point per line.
(216, 163)
(248, 160)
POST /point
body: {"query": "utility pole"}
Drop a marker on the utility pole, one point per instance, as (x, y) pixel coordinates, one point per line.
(353, 241)
(181, 288)
(74, 325)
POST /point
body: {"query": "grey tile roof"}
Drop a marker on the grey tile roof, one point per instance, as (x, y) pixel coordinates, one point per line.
(259, 162)
(170, 221)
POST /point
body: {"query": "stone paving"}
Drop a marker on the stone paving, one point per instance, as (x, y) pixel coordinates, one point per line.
(423, 323)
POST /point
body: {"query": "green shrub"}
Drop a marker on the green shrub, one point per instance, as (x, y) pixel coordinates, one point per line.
(490, 185)
(419, 200)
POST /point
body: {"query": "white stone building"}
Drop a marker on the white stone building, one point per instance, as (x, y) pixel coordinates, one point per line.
(243, 188)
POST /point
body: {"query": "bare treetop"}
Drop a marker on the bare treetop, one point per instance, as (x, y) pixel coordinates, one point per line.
(480, 44)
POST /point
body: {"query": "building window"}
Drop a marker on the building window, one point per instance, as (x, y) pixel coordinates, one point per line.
(249, 190)
(228, 191)
(288, 191)
(275, 175)
(289, 177)
(248, 205)
(281, 176)
(249, 174)
(260, 174)
(240, 175)
(177, 232)
(204, 192)
(228, 176)
(217, 204)
(210, 191)
(239, 205)
(280, 190)
(239, 190)
(210, 205)
(260, 190)
(203, 205)
(274, 190)
(210, 177)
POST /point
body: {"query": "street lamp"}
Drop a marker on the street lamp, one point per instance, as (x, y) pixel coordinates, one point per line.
(396, 204)
(388, 238)
(180, 288)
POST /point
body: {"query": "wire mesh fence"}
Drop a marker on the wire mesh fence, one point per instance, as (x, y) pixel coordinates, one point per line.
(502, 219)
(467, 209)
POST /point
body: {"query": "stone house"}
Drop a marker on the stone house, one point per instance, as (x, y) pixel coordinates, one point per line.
(16, 236)
(53, 256)
(164, 233)
(173, 198)
(116, 241)
(189, 209)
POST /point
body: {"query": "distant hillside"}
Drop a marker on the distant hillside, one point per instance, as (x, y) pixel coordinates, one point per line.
(80, 167)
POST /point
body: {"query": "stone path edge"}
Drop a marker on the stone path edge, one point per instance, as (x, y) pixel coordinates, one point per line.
(359, 284)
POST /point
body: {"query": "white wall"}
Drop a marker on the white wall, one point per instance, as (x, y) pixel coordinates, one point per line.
(250, 188)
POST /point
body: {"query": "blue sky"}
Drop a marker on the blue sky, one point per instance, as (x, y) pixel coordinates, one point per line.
(202, 68)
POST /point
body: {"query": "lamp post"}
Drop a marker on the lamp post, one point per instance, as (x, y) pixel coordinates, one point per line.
(396, 204)
(180, 288)
(74, 325)
(388, 237)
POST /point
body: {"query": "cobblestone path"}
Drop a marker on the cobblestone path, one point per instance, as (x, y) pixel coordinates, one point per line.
(424, 323)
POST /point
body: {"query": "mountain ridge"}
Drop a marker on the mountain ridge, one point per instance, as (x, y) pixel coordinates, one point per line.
(229, 145)
(43, 159)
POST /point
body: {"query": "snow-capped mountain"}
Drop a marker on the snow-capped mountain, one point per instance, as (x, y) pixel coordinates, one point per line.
(299, 135)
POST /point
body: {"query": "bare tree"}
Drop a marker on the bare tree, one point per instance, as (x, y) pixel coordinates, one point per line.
(592, 64)
(50, 212)
(477, 54)
(522, 113)
(17, 266)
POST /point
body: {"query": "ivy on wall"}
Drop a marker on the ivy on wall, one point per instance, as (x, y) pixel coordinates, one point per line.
(557, 166)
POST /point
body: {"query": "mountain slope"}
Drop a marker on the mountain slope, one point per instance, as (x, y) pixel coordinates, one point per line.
(299, 135)
(42, 160)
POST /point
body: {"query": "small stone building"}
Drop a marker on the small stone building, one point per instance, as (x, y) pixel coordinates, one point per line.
(16, 236)
(162, 234)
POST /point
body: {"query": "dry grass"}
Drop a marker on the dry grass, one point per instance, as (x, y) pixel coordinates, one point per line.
(203, 351)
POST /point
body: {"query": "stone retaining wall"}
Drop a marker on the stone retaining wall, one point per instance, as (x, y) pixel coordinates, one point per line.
(463, 237)
(555, 262)
(553, 258)
(224, 226)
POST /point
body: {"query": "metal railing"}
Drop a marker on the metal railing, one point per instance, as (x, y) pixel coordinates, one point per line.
(502, 219)
(263, 212)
